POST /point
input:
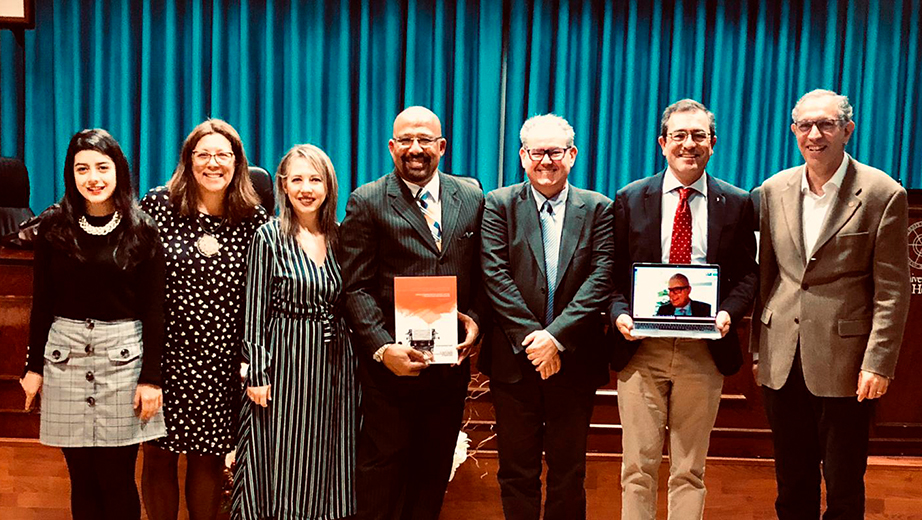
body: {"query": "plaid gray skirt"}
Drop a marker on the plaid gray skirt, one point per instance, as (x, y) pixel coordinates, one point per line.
(90, 377)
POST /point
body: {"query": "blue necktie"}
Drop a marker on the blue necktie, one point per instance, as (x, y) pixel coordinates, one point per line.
(550, 258)
(423, 198)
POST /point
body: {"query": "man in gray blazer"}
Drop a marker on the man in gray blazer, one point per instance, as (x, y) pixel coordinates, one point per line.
(413, 221)
(547, 256)
(833, 300)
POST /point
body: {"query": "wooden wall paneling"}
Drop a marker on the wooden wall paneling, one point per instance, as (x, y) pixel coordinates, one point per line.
(15, 306)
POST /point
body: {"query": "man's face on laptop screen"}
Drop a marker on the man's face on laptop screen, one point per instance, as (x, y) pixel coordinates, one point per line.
(679, 291)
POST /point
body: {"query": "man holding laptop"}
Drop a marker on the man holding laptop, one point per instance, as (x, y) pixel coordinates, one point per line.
(689, 222)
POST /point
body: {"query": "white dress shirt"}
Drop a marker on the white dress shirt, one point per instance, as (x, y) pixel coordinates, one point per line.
(816, 207)
(697, 203)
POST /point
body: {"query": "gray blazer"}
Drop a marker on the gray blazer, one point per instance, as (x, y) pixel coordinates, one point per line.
(847, 302)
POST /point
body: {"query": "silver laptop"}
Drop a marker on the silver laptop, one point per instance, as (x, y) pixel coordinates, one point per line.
(677, 301)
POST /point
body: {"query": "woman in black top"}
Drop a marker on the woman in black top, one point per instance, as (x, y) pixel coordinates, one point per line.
(96, 329)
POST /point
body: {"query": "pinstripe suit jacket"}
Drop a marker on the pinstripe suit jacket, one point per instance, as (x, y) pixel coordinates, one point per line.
(385, 235)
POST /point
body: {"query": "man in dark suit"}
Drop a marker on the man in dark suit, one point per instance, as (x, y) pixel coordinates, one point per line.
(547, 253)
(679, 216)
(833, 300)
(414, 221)
(680, 302)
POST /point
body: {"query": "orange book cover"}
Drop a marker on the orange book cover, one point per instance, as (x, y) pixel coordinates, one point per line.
(426, 315)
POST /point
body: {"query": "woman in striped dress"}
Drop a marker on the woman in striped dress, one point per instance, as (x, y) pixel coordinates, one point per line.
(295, 455)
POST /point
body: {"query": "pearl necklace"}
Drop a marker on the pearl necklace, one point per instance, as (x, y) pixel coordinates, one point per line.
(100, 230)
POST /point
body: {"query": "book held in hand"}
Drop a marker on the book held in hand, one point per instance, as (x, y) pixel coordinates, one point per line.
(426, 315)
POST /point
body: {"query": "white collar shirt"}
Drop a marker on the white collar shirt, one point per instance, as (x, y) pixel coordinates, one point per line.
(816, 207)
(697, 203)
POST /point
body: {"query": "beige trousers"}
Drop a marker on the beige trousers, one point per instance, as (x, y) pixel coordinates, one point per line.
(669, 383)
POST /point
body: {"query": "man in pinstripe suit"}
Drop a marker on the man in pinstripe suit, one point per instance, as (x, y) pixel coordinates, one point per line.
(414, 221)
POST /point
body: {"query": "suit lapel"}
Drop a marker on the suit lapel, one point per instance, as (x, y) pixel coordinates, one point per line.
(526, 213)
(451, 205)
(573, 217)
(793, 211)
(405, 206)
(716, 202)
(653, 219)
(846, 204)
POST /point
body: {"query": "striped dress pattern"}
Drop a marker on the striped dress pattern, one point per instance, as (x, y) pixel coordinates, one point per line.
(296, 457)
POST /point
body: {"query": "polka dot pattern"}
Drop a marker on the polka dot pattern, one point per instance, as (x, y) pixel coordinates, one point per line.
(680, 249)
(204, 327)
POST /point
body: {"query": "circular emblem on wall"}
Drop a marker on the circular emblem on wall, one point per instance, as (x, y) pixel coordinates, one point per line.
(915, 245)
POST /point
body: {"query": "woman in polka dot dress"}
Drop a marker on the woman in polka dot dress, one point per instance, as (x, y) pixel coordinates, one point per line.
(207, 215)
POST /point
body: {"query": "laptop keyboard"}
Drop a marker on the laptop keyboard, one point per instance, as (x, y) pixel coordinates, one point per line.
(674, 326)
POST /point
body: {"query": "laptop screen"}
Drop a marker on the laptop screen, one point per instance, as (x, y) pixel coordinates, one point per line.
(664, 291)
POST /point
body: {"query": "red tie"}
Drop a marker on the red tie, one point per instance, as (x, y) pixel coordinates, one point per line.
(680, 249)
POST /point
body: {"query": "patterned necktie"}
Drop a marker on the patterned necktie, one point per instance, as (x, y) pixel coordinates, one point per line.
(680, 248)
(423, 198)
(551, 250)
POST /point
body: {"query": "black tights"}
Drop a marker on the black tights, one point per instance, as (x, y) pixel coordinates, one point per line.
(160, 484)
(102, 482)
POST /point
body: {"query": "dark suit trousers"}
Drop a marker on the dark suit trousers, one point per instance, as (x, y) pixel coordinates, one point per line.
(532, 415)
(405, 451)
(808, 431)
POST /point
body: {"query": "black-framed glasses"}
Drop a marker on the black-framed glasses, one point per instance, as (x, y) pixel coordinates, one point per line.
(673, 290)
(698, 136)
(826, 126)
(203, 157)
(424, 142)
(556, 154)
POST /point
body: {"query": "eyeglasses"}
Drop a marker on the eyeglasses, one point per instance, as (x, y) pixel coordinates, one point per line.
(673, 290)
(680, 136)
(202, 157)
(826, 126)
(555, 154)
(424, 142)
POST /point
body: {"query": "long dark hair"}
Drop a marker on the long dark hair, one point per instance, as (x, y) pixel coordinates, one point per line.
(240, 199)
(137, 232)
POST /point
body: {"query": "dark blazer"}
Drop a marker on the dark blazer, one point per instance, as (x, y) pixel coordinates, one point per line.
(698, 309)
(731, 244)
(516, 284)
(385, 235)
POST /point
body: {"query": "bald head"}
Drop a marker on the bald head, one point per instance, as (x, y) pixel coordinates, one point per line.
(417, 115)
(417, 145)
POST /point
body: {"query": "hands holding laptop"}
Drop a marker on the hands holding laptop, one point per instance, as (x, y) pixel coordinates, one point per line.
(723, 323)
(625, 325)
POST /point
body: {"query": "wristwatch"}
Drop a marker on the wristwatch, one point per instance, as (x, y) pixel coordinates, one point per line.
(379, 354)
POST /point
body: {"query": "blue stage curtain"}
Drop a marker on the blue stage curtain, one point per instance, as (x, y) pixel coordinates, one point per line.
(336, 72)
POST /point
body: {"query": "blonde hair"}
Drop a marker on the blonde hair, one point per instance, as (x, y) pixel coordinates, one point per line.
(320, 162)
